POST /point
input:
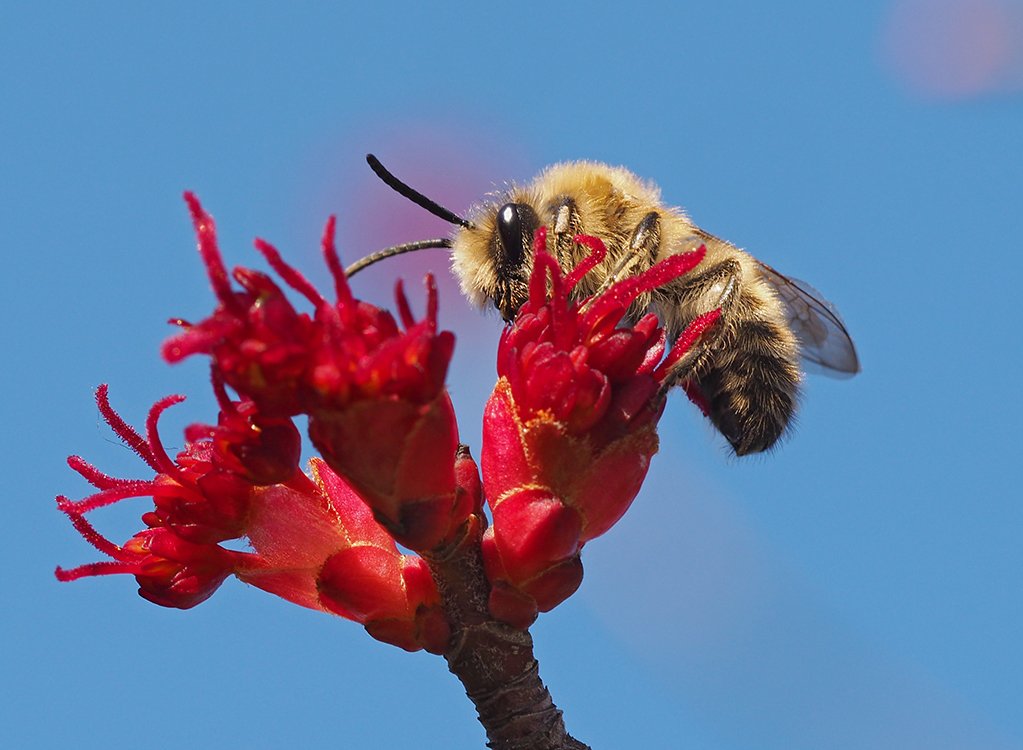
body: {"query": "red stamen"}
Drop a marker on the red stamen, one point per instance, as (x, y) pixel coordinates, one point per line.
(198, 431)
(540, 240)
(220, 391)
(94, 476)
(163, 463)
(128, 488)
(616, 300)
(344, 292)
(431, 301)
(206, 232)
(668, 269)
(693, 332)
(199, 339)
(92, 536)
(654, 353)
(544, 263)
(105, 568)
(598, 251)
(292, 277)
(122, 429)
(404, 311)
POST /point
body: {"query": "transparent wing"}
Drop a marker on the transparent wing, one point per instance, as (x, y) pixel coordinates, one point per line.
(823, 339)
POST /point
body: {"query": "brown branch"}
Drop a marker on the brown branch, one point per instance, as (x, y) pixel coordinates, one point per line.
(493, 660)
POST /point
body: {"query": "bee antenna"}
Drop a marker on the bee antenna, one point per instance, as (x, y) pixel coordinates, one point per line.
(414, 195)
(388, 252)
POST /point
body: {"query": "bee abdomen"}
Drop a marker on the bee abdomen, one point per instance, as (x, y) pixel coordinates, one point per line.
(752, 386)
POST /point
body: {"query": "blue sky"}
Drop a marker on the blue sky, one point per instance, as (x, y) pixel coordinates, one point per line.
(858, 588)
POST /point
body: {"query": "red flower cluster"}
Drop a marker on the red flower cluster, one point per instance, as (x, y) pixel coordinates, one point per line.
(360, 378)
(315, 542)
(568, 435)
(570, 428)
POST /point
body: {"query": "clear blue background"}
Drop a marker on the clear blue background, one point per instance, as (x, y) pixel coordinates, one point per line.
(859, 588)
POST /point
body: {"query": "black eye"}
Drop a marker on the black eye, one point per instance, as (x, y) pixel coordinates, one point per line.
(516, 223)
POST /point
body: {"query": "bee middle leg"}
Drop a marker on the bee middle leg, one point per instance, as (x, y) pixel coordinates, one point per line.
(640, 253)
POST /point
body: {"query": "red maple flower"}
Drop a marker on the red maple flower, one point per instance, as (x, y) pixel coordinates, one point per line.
(571, 426)
(291, 363)
(362, 380)
(314, 542)
(176, 560)
(568, 435)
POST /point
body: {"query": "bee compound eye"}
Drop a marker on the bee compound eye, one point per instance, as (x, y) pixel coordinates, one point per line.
(515, 224)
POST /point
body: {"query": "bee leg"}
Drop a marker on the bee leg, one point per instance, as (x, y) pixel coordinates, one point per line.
(643, 246)
(647, 236)
(722, 279)
(739, 372)
(566, 225)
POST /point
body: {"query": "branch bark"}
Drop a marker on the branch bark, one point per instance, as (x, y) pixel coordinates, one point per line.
(493, 660)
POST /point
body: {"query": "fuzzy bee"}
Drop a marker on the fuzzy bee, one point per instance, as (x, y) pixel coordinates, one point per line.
(746, 375)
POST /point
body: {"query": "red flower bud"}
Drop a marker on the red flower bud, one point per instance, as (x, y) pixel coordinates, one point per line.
(173, 572)
(170, 571)
(264, 450)
(469, 486)
(401, 457)
(322, 549)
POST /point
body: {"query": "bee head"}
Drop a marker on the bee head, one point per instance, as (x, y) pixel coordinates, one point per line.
(492, 255)
(516, 223)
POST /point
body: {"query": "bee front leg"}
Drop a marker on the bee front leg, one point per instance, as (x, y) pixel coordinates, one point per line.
(567, 225)
(723, 281)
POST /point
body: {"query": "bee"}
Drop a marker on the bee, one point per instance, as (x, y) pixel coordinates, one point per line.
(746, 375)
